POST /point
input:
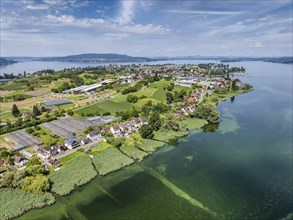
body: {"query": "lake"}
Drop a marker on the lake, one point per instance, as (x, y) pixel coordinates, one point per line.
(242, 170)
(33, 66)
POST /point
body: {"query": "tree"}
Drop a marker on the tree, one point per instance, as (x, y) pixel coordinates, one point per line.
(207, 111)
(132, 98)
(36, 111)
(70, 112)
(15, 111)
(169, 97)
(34, 170)
(33, 161)
(35, 184)
(155, 121)
(146, 132)
(170, 123)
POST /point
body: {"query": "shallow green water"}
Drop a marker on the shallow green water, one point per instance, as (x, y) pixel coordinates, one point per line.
(243, 170)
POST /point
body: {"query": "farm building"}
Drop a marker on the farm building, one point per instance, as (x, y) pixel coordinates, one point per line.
(56, 102)
(22, 140)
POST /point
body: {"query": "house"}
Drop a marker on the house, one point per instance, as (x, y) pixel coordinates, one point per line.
(85, 141)
(115, 130)
(144, 121)
(55, 162)
(126, 126)
(49, 151)
(20, 161)
(2, 162)
(71, 143)
(106, 129)
(94, 135)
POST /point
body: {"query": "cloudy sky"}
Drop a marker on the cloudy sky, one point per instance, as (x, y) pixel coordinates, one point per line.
(146, 27)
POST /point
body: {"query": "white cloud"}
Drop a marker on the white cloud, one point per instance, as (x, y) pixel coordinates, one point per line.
(203, 12)
(127, 12)
(257, 44)
(72, 21)
(37, 7)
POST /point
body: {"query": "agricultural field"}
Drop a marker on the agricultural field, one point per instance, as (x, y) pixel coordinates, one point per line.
(148, 92)
(150, 146)
(133, 152)
(38, 92)
(16, 202)
(45, 136)
(103, 107)
(73, 173)
(141, 102)
(110, 160)
(160, 84)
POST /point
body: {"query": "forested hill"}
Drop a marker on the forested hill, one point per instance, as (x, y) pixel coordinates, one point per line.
(97, 57)
(4, 62)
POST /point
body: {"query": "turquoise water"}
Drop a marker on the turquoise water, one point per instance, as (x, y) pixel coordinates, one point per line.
(243, 170)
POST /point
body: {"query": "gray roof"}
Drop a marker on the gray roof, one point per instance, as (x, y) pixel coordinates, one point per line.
(55, 102)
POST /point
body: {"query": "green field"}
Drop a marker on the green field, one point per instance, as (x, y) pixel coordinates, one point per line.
(110, 160)
(70, 156)
(150, 146)
(160, 84)
(73, 173)
(148, 92)
(160, 95)
(104, 106)
(141, 102)
(15, 202)
(133, 152)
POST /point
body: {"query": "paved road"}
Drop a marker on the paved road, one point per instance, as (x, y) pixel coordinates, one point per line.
(89, 145)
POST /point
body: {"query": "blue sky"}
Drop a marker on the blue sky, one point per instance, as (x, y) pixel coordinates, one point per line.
(146, 27)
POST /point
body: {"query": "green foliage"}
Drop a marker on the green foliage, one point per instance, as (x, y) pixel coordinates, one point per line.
(73, 173)
(15, 202)
(110, 160)
(169, 97)
(146, 132)
(15, 111)
(36, 111)
(170, 123)
(37, 184)
(207, 111)
(132, 98)
(34, 170)
(155, 121)
(33, 162)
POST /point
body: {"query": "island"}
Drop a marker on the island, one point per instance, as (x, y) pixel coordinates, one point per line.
(60, 129)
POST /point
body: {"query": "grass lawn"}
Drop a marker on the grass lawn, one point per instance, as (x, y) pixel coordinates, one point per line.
(70, 156)
(166, 135)
(45, 136)
(141, 102)
(103, 146)
(160, 95)
(179, 88)
(148, 92)
(16, 202)
(133, 152)
(67, 106)
(150, 146)
(110, 160)
(160, 84)
(73, 173)
(192, 123)
(75, 98)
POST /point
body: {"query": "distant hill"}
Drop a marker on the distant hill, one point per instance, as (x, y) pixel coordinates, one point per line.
(97, 57)
(285, 60)
(4, 62)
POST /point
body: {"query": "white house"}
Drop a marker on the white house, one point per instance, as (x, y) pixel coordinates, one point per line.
(94, 135)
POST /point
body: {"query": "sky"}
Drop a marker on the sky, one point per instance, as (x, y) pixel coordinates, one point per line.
(146, 27)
